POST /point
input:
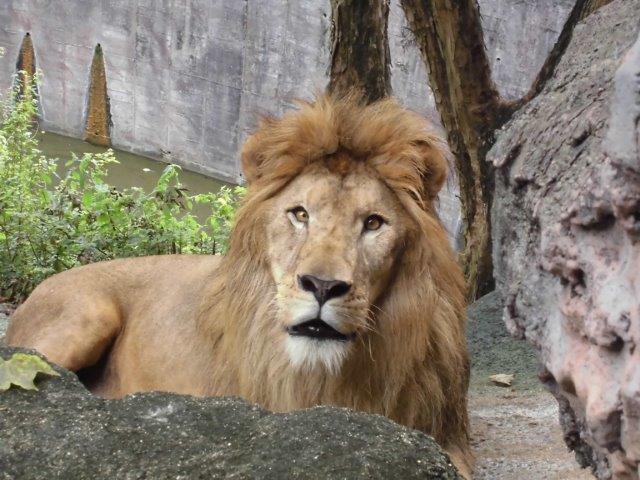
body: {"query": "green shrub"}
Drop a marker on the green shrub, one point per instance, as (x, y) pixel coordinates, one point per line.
(49, 223)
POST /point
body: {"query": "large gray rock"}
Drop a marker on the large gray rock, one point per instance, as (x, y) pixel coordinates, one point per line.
(63, 432)
(566, 223)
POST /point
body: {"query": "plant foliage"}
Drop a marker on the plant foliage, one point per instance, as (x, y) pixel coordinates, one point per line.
(51, 222)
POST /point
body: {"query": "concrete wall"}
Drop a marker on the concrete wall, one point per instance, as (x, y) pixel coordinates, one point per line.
(186, 77)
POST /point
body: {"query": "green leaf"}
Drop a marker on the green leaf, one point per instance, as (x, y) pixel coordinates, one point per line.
(21, 370)
(87, 199)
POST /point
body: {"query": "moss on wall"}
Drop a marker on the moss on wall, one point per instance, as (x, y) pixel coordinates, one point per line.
(98, 115)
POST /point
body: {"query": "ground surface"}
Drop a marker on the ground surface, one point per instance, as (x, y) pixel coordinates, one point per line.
(515, 431)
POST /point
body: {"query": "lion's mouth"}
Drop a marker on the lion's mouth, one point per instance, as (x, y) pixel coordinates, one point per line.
(319, 330)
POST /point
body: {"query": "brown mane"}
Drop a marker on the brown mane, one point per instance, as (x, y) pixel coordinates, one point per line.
(420, 379)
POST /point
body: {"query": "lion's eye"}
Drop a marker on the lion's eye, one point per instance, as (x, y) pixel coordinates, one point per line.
(373, 222)
(300, 214)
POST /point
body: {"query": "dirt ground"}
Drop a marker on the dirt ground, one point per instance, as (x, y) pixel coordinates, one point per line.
(515, 430)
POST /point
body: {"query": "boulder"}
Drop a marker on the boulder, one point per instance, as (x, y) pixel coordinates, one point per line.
(62, 431)
(566, 226)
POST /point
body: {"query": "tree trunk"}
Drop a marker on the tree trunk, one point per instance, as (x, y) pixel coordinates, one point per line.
(449, 35)
(359, 48)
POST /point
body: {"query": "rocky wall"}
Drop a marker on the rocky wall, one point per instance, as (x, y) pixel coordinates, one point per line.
(566, 224)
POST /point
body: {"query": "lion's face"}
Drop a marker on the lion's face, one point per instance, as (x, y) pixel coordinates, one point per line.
(333, 241)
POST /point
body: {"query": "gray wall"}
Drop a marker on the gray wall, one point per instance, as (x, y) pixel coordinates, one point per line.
(188, 76)
(185, 76)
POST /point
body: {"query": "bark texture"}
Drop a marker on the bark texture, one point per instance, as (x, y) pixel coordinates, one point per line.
(566, 226)
(359, 48)
(449, 35)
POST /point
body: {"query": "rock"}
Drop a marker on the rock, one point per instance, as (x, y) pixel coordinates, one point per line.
(502, 379)
(566, 226)
(62, 431)
(4, 323)
(5, 310)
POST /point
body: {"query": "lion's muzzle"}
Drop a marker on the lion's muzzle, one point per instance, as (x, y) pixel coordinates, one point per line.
(323, 290)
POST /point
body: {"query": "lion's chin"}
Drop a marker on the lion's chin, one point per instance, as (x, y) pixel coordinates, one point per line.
(307, 354)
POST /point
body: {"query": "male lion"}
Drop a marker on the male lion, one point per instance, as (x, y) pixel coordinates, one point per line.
(339, 288)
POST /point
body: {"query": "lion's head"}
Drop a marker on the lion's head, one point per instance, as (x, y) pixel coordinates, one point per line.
(340, 208)
(336, 235)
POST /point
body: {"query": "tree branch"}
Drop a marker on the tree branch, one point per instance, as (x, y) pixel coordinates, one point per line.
(449, 35)
(580, 10)
(359, 48)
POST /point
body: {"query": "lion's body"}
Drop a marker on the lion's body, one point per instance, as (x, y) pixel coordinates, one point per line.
(137, 315)
(213, 326)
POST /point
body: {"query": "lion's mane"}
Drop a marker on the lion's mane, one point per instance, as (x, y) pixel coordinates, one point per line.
(414, 368)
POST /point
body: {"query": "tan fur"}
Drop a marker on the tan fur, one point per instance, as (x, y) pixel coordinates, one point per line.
(210, 326)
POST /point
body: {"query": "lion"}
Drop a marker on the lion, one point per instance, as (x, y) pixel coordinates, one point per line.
(339, 286)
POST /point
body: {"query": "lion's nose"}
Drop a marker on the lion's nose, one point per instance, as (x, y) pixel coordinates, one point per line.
(323, 290)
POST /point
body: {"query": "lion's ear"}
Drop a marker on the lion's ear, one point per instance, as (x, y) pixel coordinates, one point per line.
(435, 156)
(251, 158)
